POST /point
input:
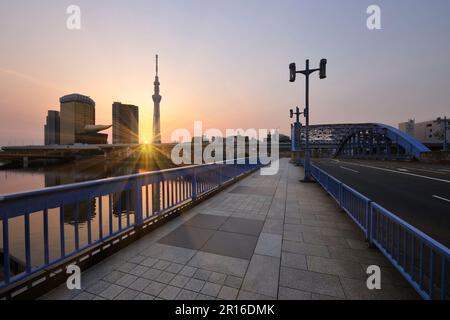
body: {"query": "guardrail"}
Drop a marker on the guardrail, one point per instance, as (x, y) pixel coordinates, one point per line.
(423, 261)
(54, 224)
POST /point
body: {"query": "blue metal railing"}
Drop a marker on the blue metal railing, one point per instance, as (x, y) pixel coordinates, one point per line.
(352, 202)
(356, 205)
(54, 224)
(424, 262)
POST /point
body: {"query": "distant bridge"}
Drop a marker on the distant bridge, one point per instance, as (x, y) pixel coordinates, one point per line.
(360, 140)
(24, 155)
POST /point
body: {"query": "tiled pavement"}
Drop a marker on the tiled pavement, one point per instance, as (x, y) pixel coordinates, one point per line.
(266, 237)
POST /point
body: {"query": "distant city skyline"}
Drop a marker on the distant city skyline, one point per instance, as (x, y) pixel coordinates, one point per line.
(225, 62)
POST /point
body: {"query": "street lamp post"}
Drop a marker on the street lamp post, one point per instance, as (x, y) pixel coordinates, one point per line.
(296, 136)
(445, 147)
(307, 72)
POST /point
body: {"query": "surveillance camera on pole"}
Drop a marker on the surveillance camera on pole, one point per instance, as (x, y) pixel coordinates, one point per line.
(292, 77)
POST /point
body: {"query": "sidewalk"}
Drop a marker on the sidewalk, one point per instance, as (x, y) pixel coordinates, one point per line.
(266, 237)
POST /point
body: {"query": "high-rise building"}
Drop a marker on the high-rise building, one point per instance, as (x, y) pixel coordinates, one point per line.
(77, 121)
(156, 111)
(125, 123)
(428, 132)
(51, 128)
(77, 111)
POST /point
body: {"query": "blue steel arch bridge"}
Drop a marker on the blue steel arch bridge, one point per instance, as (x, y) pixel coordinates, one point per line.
(360, 141)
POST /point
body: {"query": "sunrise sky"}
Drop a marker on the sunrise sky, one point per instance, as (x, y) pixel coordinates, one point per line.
(223, 62)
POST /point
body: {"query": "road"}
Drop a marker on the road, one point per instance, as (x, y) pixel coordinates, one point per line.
(418, 193)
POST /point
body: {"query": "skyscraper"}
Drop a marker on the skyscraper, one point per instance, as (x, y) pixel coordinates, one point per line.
(77, 111)
(51, 128)
(125, 123)
(156, 112)
(77, 121)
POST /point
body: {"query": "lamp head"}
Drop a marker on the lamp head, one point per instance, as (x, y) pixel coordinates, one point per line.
(292, 72)
(323, 69)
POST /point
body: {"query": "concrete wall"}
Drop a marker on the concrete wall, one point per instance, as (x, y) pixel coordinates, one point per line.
(437, 157)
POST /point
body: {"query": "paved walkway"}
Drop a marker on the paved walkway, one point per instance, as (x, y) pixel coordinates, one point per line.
(266, 237)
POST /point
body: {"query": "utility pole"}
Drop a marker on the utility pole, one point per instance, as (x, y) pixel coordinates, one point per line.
(307, 72)
(445, 147)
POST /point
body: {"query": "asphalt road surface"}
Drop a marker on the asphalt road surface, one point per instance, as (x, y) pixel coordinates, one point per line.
(416, 192)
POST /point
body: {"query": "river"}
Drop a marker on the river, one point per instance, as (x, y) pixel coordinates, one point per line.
(19, 180)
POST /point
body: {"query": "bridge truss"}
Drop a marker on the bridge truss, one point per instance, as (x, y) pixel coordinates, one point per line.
(360, 140)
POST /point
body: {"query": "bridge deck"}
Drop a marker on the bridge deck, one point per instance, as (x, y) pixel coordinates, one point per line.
(267, 237)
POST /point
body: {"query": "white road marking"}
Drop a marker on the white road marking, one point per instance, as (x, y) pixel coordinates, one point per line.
(444, 170)
(349, 169)
(401, 169)
(441, 198)
(425, 170)
(400, 172)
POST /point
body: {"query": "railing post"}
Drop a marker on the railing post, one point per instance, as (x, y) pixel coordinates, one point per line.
(194, 185)
(443, 278)
(138, 217)
(6, 258)
(367, 224)
(370, 223)
(156, 206)
(220, 174)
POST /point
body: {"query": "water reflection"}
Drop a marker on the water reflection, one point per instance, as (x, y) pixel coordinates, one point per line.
(122, 204)
(86, 213)
(79, 172)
